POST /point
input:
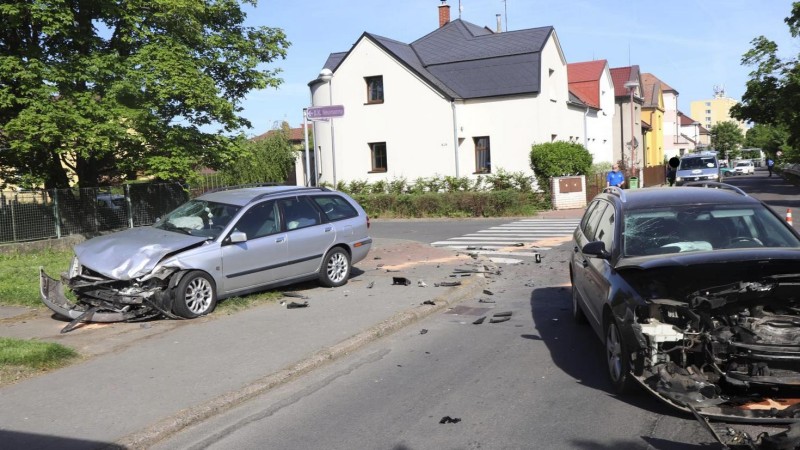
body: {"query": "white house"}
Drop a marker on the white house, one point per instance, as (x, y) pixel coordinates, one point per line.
(591, 82)
(461, 101)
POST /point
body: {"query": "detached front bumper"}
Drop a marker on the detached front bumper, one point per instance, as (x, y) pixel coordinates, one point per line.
(89, 310)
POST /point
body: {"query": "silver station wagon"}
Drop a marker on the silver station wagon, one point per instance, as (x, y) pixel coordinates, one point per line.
(223, 243)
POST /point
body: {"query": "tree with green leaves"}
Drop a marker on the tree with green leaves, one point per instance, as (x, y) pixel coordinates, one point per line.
(773, 91)
(769, 138)
(110, 90)
(268, 159)
(727, 139)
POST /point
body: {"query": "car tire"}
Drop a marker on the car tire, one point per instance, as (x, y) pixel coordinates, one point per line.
(195, 295)
(617, 358)
(335, 269)
(577, 311)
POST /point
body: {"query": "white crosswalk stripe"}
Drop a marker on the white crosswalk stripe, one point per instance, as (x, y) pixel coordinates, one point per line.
(501, 240)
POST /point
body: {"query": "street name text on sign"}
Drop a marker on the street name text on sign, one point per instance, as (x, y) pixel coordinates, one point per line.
(324, 112)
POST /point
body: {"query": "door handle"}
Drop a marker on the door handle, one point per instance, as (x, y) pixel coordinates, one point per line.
(280, 239)
(327, 229)
(585, 263)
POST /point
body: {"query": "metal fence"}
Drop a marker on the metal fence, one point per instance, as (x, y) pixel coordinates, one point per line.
(55, 213)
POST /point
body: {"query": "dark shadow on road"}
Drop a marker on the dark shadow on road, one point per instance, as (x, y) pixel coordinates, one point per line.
(15, 439)
(552, 316)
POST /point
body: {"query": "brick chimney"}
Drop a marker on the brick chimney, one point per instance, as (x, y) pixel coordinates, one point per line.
(444, 14)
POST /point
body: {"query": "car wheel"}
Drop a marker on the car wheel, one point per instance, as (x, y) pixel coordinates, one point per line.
(194, 296)
(577, 312)
(617, 358)
(335, 268)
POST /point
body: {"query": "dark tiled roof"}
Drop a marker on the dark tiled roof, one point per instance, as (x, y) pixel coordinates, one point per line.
(463, 60)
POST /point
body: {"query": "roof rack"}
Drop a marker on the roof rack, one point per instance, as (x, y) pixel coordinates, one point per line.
(242, 186)
(288, 191)
(717, 185)
(616, 190)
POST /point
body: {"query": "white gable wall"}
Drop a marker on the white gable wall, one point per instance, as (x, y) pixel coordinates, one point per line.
(414, 121)
(600, 124)
(417, 122)
(671, 128)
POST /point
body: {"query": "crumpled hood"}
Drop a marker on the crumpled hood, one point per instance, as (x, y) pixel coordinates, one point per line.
(131, 253)
(680, 274)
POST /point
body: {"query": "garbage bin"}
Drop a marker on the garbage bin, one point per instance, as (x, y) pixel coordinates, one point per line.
(633, 183)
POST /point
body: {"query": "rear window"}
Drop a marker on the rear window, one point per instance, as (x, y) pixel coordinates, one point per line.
(335, 207)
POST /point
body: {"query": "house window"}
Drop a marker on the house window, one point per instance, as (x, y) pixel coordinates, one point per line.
(377, 152)
(374, 89)
(483, 157)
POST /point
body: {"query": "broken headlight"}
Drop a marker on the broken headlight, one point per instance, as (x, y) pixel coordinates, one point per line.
(74, 267)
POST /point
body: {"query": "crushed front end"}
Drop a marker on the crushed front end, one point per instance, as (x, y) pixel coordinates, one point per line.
(729, 352)
(99, 298)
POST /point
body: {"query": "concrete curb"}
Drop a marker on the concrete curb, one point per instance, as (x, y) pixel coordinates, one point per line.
(196, 414)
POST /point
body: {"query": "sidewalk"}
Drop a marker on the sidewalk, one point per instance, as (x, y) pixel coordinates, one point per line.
(144, 381)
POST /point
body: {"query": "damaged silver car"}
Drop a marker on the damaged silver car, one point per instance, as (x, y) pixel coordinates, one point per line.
(695, 293)
(224, 243)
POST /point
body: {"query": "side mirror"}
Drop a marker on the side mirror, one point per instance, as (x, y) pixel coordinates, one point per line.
(237, 236)
(596, 249)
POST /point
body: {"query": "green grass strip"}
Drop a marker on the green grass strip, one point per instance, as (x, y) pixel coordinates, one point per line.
(34, 354)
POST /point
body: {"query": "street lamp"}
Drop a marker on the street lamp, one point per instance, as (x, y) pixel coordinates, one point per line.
(631, 87)
(326, 76)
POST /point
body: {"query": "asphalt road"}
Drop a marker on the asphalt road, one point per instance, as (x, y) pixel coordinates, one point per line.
(427, 230)
(535, 381)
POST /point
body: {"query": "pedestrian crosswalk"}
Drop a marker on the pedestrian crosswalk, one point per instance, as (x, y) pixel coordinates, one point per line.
(501, 240)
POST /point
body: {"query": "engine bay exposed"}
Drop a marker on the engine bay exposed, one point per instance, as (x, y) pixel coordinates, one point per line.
(729, 351)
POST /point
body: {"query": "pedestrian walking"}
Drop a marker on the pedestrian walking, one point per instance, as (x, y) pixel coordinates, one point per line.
(770, 163)
(615, 177)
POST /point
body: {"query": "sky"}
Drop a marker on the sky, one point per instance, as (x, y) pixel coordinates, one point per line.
(692, 45)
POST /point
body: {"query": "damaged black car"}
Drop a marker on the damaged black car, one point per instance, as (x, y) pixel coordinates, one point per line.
(695, 293)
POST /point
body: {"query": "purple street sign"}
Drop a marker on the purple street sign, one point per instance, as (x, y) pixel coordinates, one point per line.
(324, 112)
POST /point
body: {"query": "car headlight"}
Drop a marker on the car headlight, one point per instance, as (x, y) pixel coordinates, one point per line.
(74, 267)
(678, 178)
(714, 176)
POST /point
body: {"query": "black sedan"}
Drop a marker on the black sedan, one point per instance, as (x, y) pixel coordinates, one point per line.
(695, 292)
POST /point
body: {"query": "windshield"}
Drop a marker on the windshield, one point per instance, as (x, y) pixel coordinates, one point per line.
(199, 218)
(687, 228)
(706, 162)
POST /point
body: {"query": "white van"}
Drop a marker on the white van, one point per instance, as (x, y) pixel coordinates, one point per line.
(697, 167)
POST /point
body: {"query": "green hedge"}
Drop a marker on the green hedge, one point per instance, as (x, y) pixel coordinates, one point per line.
(454, 204)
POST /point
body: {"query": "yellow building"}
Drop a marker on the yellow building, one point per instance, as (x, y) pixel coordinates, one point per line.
(653, 115)
(712, 111)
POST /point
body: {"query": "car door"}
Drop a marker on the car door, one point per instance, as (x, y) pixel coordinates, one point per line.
(581, 277)
(308, 236)
(338, 212)
(262, 258)
(598, 271)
